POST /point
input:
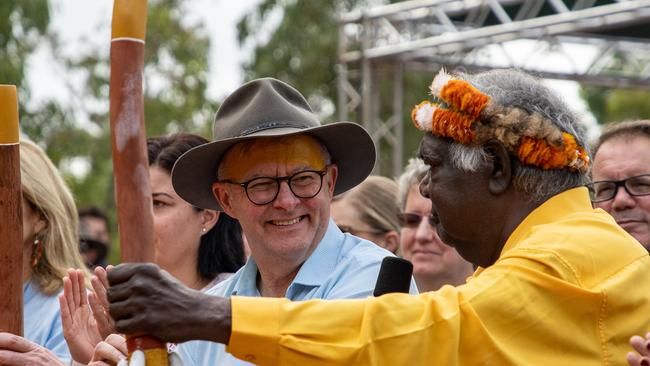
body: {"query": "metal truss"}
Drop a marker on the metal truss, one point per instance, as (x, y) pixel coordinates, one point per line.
(590, 41)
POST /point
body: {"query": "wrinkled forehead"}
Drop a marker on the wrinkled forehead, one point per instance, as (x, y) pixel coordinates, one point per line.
(431, 147)
(622, 157)
(293, 150)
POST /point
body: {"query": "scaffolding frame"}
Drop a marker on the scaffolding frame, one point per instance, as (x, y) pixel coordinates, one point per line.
(594, 42)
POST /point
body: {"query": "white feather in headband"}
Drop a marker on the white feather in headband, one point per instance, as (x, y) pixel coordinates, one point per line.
(422, 115)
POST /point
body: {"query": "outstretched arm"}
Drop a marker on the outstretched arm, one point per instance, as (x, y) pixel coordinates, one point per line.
(144, 298)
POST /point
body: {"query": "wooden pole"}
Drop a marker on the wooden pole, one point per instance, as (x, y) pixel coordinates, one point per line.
(128, 134)
(129, 145)
(11, 218)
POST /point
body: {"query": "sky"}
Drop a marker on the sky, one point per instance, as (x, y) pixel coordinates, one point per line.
(85, 24)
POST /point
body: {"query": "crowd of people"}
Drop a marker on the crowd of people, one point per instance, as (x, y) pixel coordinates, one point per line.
(529, 245)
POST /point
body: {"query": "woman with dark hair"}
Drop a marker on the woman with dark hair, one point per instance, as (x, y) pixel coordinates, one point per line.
(198, 247)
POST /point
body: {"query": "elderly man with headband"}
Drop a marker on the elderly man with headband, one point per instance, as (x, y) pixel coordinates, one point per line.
(275, 168)
(557, 283)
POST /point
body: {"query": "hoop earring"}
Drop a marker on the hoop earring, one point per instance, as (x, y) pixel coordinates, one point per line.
(37, 253)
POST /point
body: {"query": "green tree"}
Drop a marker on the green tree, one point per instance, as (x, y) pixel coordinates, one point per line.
(302, 50)
(615, 105)
(175, 77)
(23, 25)
(23, 28)
(176, 66)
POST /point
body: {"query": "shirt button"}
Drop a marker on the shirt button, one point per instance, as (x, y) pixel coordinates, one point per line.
(250, 358)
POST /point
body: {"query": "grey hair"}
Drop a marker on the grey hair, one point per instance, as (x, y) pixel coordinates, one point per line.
(517, 89)
(412, 175)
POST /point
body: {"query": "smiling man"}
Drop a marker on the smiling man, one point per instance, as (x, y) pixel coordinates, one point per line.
(621, 177)
(558, 282)
(275, 168)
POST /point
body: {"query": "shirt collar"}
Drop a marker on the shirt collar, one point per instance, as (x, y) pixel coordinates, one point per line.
(313, 272)
(323, 260)
(246, 284)
(563, 204)
(29, 291)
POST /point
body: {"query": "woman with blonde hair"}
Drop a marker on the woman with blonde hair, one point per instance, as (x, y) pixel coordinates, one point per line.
(50, 247)
(369, 211)
(199, 247)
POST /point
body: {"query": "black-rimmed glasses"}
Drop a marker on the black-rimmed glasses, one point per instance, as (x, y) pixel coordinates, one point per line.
(412, 220)
(263, 190)
(605, 190)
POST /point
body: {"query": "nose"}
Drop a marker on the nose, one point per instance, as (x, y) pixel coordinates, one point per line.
(424, 231)
(622, 200)
(285, 199)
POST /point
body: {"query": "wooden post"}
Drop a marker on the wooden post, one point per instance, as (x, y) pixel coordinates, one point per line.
(128, 134)
(129, 145)
(11, 218)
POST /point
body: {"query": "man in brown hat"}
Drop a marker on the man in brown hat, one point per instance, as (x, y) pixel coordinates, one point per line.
(558, 282)
(275, 168)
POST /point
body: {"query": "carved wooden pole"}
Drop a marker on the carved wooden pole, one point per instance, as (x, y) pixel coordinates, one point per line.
(130, 163)
(11, 218)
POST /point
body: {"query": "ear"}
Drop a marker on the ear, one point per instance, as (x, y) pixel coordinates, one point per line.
(391, 241)
(40, 225)
(209, 218)
(500, 167)
(223, 197)
(332, 175)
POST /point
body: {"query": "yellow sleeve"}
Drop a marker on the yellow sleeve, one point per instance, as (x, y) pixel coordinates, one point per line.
(470, 324)
(512, 314)
(278, 331)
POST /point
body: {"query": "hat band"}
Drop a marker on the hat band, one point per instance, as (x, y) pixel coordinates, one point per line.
(272, 125)
(466, 115)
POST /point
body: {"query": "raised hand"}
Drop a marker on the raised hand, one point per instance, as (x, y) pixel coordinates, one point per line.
(99, 302)
(18, 351)
(79, 327)
(642, 346)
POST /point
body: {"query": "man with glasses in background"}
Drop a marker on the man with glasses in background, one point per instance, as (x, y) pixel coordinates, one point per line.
(275, 168)
(435, 263)
(621, 177)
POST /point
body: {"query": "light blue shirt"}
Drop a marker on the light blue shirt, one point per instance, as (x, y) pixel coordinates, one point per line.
(42, 321)
(341, 267)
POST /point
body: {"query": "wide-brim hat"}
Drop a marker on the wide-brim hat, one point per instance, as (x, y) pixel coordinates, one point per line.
(266, 108)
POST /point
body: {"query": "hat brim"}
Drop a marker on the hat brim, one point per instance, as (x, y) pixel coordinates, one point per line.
(349, 145)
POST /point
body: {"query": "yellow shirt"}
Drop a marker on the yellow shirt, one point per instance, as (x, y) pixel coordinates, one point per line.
(569, 288)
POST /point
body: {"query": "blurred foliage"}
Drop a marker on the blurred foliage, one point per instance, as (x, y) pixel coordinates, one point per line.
(176, 67)
(615, 105)
(23, 24)
(302, 50)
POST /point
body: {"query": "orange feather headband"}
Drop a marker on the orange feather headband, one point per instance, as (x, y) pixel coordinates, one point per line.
(468, 116)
